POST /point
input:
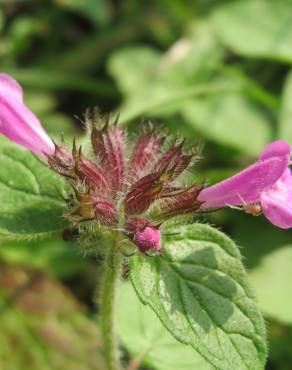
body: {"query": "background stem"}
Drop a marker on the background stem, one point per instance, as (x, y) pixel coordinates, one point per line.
(136, 361)
(107, 309)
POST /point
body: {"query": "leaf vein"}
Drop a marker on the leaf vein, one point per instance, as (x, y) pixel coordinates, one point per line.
(27, 169)
(38, 196)
(212, 269)
(188, 281)
(221, 328)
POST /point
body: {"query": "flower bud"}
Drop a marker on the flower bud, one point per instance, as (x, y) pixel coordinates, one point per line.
(169, 161)
(104, 210)
(142, 194)
(94, 207)
(157, 184)
(181, 203)
(108, 145)
(89, 172)
(144, 153)
(145, 235)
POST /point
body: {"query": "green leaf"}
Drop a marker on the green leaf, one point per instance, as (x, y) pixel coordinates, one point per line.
(200, 291)
(161, 99)
(144, 336)
(31, 197)
(194, 57)
(273, 283)
(43, 327)
(285, 124)
(166, 81)
(256, 28)
(133, 66)
(229, 119)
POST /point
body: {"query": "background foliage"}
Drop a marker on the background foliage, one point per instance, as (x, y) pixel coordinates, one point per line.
(217, 72)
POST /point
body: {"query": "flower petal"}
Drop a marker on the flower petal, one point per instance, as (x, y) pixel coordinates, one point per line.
(245, 186)
(277, 148)
(21, 126)
(17, 122)
(10, 87)
(277, 202)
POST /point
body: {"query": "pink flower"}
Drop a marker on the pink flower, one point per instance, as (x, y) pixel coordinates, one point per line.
(277, 201)
(139, 190)
(268, 183)
(17, 122)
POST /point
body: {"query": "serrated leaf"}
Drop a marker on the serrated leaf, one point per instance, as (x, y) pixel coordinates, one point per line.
(30, 195)
(256, 28)
(143, 335)
(285, 124)
(273, 283)
(229, 119)
(200, 291)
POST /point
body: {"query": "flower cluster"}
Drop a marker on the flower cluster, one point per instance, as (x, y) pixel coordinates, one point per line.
(121, 190)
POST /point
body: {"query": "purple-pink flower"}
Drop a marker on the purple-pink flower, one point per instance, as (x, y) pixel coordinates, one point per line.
(137, 191)
(268, 183)
(144, 234)
(17, 122)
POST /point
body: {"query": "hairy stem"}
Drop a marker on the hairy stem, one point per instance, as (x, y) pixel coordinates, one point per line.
(110, 281)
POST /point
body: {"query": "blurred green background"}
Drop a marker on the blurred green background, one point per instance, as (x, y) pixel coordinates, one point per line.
(217, 72)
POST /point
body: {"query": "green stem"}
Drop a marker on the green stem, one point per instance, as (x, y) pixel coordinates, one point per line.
(110, 281)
